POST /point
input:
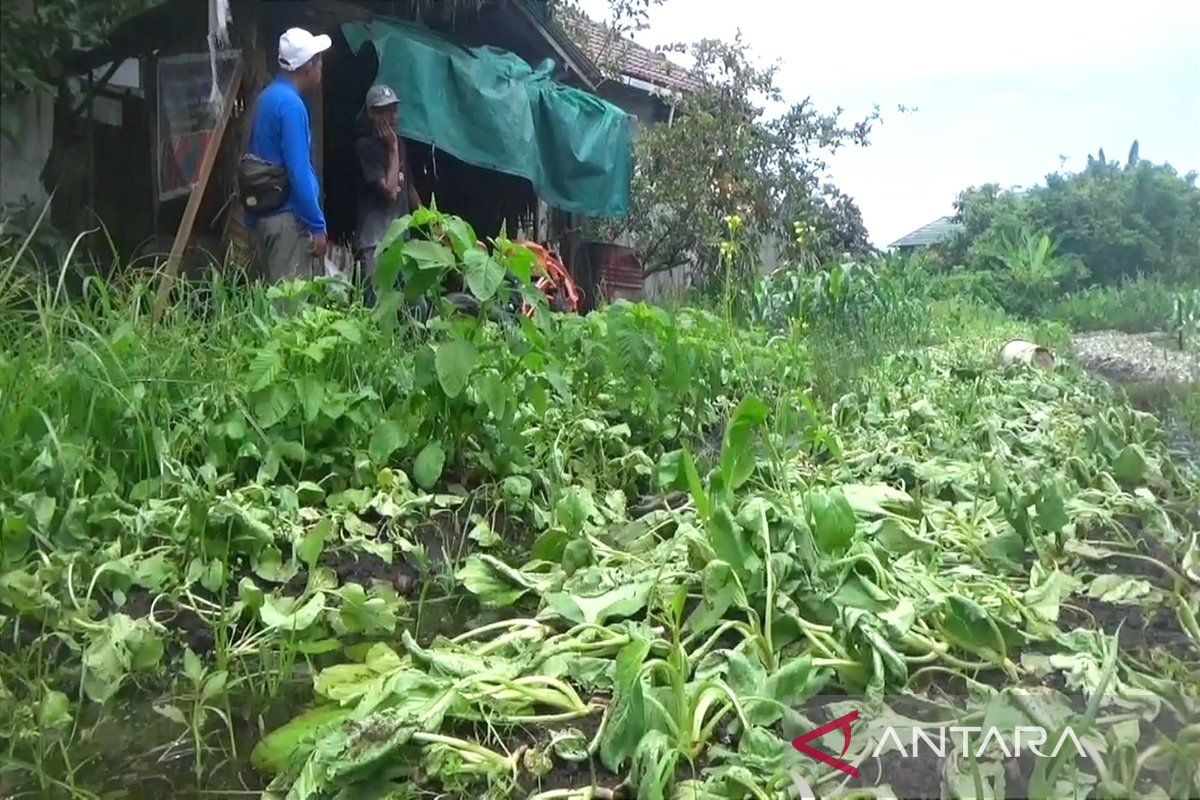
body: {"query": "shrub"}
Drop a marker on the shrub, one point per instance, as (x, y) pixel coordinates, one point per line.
(1119, 220)
(1135, 306)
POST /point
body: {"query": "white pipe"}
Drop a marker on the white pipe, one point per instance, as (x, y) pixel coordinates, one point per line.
(218, 39)
(646, 86)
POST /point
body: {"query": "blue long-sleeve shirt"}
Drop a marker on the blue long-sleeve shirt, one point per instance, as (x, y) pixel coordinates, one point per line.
(280, 134)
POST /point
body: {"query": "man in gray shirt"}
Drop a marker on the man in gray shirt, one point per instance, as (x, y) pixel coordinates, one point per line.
(386, 192)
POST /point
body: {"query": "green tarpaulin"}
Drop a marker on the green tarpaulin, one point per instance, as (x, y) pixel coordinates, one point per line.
(490, 108)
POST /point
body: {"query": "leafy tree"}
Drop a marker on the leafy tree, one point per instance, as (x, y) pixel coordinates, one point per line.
(624, 16)
(726, 155)
(1029, 270)
(1140, 217)
(1119, 219)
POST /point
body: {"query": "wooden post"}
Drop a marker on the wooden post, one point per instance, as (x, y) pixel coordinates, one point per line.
(149, 70)
(317, 115)
(167, 282)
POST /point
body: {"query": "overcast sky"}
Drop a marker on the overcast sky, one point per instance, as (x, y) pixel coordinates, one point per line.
(1002, 89)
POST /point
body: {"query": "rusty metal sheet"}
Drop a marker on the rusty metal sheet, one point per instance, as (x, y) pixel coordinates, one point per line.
(618, 272)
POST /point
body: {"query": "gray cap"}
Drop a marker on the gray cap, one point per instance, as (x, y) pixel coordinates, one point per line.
(381, 95)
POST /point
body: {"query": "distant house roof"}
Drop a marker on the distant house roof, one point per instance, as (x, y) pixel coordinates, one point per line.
(605, 45)
(935, 232)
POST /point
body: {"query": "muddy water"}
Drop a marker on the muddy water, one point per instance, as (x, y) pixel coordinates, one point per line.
(137, 747)
(1159, 398)
(137, 752)
(134, 750)
(1151, 371)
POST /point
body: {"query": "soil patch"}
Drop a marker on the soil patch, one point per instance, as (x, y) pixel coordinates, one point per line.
(1132, 358)
(1141, 629)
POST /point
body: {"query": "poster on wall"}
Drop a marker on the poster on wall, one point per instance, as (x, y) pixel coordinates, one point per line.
(187, 115)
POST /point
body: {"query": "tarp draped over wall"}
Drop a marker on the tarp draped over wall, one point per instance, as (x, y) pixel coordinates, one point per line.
(490, 108)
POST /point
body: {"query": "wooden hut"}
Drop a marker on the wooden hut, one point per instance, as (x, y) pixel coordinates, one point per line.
(131, 153)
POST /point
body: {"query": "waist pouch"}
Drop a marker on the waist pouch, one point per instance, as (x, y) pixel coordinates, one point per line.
(262, 186)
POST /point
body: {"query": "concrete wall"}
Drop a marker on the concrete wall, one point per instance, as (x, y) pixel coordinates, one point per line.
(665, 287)
(21, 161)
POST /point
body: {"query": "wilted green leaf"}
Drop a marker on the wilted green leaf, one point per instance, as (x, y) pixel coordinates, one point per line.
(1045, 600)
(1051, 508)
(653, 769)
(969, 626)
(1131, 467)
(627, 716)
(170, 712)
(122, 646)
(492, 581)
(737, 450)
(1119, 589)
(482, 534)
(576, 555)
(669, 473)
(620, 602)
(517, 487)
(831, 519)
(269, 566)
(54, 711)
(898, 537)
(250, 594)
(576, 509)
(214, 686)
(14, 539)
(721, 590)
(732, 543)
(699, 496)
(373, 615)
(287, 614)
(310, 547)
(569, 745)
(877, 500)
(298, 736)
(192, 667)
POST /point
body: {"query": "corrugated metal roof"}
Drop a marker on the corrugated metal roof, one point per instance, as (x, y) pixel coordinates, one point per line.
(934, 233)
(603, 44)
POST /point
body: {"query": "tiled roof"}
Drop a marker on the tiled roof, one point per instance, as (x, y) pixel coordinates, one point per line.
(934, 233)
(604, 45)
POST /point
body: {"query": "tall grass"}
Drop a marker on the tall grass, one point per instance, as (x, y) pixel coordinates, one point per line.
(852, 315)
(89, 386)
(1137, 306)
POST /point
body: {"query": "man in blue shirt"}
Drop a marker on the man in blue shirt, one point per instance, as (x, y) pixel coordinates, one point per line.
(291, 240)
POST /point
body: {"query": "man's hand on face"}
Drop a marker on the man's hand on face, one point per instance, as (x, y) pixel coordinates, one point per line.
(386, 132)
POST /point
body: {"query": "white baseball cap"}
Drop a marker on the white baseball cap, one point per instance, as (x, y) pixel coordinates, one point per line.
(297, 47)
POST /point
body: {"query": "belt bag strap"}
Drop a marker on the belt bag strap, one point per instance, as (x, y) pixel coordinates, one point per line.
(262, 186)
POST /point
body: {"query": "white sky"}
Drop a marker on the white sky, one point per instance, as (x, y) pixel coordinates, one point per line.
(1001, 89)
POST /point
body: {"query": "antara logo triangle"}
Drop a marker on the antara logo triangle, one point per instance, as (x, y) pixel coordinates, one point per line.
(842, 723)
